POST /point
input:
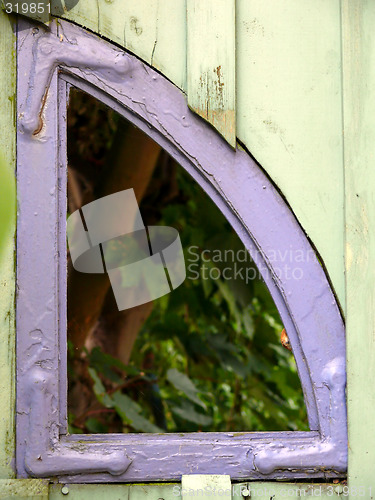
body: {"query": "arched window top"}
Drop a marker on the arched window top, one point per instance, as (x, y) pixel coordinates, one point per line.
(66, 56)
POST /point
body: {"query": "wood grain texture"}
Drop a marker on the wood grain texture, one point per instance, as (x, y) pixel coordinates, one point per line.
(358, 20)
(211, 63)
(206, 486)
(83, 12)
(288, 86)
(7, 258)
(289, 111)
(260, 490)
(22, 489)
(155, 31)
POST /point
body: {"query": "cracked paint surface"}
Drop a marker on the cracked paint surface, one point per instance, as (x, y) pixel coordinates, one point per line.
(70, 56)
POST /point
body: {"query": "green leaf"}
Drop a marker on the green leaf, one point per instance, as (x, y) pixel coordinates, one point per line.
(129, 412)
(103, 362)
(94, 426)
(182, 383)
(99, 390)
(187, 412)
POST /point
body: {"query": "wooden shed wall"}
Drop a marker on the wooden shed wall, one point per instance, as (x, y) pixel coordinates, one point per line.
(287, 88)
(293, 103)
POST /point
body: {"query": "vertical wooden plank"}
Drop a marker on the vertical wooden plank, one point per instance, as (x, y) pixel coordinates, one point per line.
(132, 23)
(154, 30)
(7, 261)
(83, 12)
(358, 21)
(170, 49)
(211, 63)
(288, 56)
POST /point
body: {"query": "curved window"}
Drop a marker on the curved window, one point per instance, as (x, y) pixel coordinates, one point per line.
(264, 223)
(206, 356)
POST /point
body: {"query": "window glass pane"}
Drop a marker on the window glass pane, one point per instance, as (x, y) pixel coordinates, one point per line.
(147, 353)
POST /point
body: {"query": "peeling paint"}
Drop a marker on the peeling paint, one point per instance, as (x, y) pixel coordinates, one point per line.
(262, 220)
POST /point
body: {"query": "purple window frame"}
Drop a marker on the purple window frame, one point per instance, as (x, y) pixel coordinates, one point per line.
(48, 64)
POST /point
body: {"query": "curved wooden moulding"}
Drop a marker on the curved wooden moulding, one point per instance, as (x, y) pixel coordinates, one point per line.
(48, 63)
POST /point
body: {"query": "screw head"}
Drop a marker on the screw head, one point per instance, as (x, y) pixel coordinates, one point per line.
(65, 490)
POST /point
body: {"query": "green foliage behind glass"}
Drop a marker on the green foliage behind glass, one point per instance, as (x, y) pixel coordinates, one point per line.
(209, 357)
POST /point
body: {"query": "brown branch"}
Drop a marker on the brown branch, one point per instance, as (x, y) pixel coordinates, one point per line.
(130, 165)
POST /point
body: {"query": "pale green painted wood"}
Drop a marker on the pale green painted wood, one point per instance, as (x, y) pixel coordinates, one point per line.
(115, 492)
(259, 490)
(359, 157)
(85, 13)
(289, 111)
(20, 489)
(206, 486)
(211, 63)
(280, 491)
(154, 492)
(154, 30)
(288, 92)
(7, 258)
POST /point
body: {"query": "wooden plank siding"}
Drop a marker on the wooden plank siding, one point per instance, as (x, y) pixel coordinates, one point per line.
(288, 88)
(289, 111)
(289, 99)
(358, 20)
(260, 490)
(211, 63)
(153, 30)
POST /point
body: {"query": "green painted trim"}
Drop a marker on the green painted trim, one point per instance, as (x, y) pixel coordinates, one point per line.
(31, 489)
(7, 255)
(358, 21)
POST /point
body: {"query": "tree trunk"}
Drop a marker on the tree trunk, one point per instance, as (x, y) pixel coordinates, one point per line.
(131, 163)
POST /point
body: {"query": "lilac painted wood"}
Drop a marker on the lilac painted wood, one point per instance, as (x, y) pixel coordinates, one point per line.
(70, 56)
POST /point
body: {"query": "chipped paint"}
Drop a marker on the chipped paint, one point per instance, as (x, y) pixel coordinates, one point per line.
(211, 72)
(256, 211)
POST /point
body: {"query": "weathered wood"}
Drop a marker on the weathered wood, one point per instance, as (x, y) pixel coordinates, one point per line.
(206, 486)
(289, 111)
(155, 31)
(83, 12)
(358, 22)
(7, 259)
(22, 489)
(211, 63)
(257, 213)
(259, 490)
(288, 86)
(280, 491)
